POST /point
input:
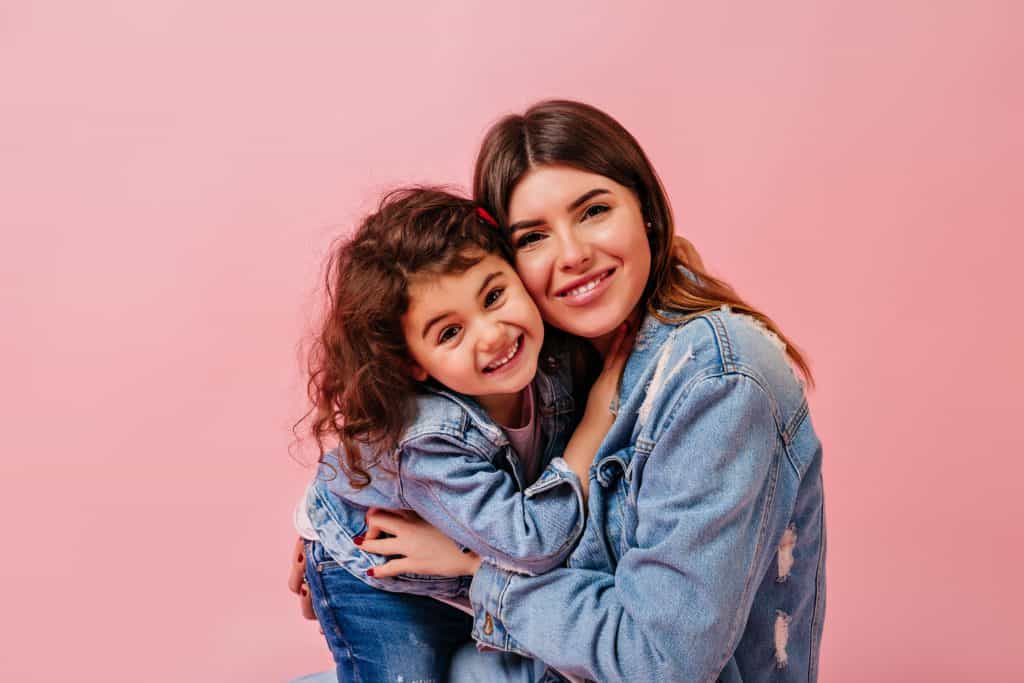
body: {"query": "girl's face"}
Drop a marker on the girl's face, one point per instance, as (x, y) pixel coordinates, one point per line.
(581, 248)
(476, 332)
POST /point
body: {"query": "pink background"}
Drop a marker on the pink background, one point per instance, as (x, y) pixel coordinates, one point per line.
(171, 174)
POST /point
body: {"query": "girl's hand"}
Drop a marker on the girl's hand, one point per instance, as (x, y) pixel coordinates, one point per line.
(423, 548)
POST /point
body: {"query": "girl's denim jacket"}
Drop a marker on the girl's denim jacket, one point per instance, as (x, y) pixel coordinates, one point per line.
(455, 467)
(703, 554)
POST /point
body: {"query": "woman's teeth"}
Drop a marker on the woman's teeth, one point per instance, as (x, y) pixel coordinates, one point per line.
(583, 289)
(495, 364)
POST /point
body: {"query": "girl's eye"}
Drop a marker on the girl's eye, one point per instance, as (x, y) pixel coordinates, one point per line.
(448, 333)
(493, 296)
(528, 239)
(594, 210)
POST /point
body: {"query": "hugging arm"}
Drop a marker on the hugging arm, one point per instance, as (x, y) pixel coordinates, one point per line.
(677, 604)
(481, 508)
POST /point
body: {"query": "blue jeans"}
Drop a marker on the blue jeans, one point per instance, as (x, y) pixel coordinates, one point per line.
(379, 636)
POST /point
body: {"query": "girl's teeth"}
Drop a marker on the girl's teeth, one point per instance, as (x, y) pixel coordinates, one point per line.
(501, 361)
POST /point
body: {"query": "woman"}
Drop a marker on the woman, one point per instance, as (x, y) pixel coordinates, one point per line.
(703, 556)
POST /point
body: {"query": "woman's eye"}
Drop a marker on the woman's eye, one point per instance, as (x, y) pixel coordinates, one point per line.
(493, 296)
(528, 239)
(594, 210)
(448, 333)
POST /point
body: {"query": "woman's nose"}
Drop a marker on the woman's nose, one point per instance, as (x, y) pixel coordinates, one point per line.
(575, 253)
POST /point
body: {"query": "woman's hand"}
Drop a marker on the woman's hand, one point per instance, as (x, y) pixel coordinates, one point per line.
(297, 580)
(423, 548)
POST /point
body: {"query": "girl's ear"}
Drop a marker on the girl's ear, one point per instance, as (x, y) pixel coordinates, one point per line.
(417, 371)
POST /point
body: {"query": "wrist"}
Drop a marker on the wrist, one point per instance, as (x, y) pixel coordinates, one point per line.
(473, 562)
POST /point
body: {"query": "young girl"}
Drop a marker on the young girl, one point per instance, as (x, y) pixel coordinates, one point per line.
(426, 375)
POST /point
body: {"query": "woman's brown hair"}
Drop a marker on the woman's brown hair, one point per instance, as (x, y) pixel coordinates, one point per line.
(359, 366)
(562, 132)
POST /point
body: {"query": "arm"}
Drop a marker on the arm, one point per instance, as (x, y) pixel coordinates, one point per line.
(481, 508)
(676, 606)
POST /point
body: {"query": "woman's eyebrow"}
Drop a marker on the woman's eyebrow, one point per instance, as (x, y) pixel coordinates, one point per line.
(587, 196)
(590, 194)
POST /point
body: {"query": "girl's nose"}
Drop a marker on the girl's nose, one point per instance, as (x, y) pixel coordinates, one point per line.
(492, 336)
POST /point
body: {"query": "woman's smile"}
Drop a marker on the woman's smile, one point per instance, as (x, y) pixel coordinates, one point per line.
(581, 248)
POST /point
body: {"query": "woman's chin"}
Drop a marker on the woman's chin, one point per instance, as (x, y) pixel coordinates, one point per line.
(596, 324)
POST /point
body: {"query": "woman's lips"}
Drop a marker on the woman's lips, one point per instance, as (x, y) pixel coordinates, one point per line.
(581, 293)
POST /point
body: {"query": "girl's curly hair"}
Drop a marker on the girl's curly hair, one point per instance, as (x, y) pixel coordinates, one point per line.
(359, 367)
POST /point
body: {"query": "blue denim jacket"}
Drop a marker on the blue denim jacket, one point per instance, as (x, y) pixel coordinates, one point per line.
(455, 467)
(703, 554)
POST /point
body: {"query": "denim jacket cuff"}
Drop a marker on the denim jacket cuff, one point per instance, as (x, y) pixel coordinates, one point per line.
(486, 595)
(554, 474)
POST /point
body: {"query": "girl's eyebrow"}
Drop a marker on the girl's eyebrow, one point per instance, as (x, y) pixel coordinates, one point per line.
(436, 318)
(487, 281)
(590, 194)
(433, 321)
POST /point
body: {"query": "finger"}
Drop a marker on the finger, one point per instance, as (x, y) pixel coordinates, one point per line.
(298, 568)
(385, 520)
(306, 603)
(390, 568)
(372, 531)
(383, 546)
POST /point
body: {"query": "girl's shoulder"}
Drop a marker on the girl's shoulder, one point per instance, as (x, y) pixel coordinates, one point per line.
(439, 412)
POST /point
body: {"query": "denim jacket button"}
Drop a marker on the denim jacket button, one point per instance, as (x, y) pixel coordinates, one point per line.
(488, 624)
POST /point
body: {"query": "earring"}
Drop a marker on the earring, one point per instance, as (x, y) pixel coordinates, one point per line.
(649, 226)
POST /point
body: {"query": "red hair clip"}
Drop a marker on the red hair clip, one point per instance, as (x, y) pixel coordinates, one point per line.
(487, 218)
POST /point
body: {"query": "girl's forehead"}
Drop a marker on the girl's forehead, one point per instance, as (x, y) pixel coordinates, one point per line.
(428, 288)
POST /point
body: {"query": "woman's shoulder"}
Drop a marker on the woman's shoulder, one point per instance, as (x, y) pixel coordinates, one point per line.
(718, 342)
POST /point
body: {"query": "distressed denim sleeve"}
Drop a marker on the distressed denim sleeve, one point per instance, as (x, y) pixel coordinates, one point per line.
(481, 507)
(676, 606)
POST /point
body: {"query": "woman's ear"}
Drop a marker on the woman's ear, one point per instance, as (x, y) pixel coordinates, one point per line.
(417, 371)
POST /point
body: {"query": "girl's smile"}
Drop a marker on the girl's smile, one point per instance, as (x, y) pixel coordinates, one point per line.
(476, 332)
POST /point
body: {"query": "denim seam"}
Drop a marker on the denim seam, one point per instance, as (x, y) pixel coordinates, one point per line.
(329, 616)
(773, 485)
(819, 612)
(721, 335)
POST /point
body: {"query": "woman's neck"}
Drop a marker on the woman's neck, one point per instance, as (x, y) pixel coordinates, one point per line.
(605, 340)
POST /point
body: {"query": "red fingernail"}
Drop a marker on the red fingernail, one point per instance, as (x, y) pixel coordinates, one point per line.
(358, 540)
(369, 572)
(304, 592)
(301, 559)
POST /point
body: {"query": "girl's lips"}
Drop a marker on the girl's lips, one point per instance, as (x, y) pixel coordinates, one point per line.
(512, 363)
(600, 285)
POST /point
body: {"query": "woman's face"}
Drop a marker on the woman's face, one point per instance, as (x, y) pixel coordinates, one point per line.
(580, 248)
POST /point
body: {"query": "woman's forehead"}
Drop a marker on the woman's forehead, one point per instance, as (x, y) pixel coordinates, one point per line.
(555, 188)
